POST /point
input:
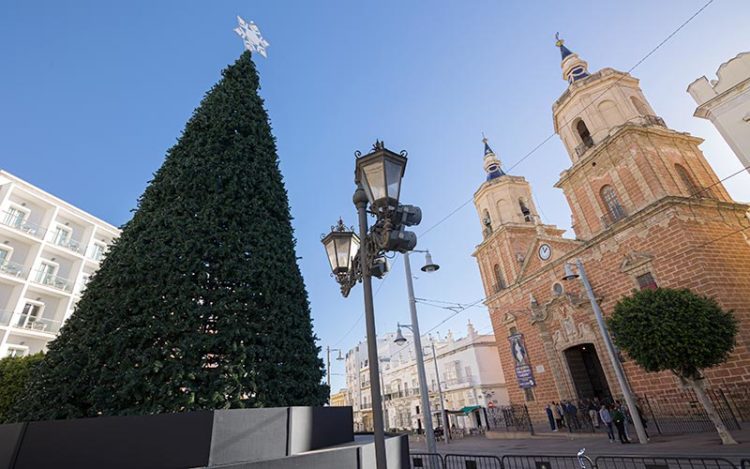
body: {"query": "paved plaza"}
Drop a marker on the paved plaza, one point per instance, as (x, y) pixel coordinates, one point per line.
(696, 444)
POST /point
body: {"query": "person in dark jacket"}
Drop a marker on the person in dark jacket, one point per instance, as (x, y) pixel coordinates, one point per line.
(618, 418)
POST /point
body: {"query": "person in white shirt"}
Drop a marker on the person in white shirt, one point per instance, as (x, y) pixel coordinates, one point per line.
(606, 417)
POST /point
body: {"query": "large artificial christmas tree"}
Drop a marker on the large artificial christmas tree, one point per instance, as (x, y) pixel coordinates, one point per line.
(200, 303)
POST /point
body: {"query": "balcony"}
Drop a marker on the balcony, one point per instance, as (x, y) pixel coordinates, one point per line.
(31, 323)
(11, 268)
(72, 245)
(653, 120)
(615, 214)
(96, 253)
(366, 406)
(584, 147)
(458, 382)
(14, 221)
(43, 278)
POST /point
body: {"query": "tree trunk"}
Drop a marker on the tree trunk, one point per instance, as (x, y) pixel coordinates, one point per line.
(700, 392)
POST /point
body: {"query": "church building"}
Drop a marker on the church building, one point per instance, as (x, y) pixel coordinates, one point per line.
(647, 211)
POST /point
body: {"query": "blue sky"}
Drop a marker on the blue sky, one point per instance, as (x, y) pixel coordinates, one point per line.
(93, 93)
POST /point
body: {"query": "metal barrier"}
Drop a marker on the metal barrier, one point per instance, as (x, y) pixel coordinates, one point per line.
(467, 461)
(426, 461)
(545, 462)
(661, 462)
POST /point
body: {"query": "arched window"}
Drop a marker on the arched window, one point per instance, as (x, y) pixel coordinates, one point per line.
(525, 211)
(499, 280)
(640, 107)
(614, 209)
(584, 133)
(609, 111)
(692, 189)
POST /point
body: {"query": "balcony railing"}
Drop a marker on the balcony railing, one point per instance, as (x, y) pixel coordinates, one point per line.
(14, 221)
(654, 120)
(11, 268)
(31, 323)
(54, 281)
(454, 382)
(365, 406)
(37, 324)
(613, 216)
(71, 244)
(96, 253)
(584, 147)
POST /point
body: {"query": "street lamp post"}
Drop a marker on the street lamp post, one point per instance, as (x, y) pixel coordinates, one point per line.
(382, 387)
(414, 326)
(356, 259)
(619, 372)
(328, 364)
(443, 416)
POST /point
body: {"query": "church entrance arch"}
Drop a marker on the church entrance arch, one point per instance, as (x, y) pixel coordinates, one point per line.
(586, 372)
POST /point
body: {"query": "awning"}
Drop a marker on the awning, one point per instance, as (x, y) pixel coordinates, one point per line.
(465, 411)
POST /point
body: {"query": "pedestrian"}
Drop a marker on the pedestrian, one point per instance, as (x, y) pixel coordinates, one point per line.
(593, 414)
(572, 412)
(558, 415)
(606, 417)
(619, 420)
(550, 417)
(628, 419)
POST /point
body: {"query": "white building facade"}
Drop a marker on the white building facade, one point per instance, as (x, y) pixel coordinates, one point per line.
(726, 103)
(48, 251)
(470, 376)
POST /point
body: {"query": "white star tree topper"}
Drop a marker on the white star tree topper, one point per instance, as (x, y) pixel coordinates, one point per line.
(250, 35)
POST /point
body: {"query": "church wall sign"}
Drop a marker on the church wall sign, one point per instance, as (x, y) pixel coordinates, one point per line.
(524, 373)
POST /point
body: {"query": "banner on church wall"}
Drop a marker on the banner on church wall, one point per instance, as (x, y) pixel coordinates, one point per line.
(524, 373)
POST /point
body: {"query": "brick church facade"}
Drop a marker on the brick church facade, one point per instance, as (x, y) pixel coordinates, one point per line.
(647, 211)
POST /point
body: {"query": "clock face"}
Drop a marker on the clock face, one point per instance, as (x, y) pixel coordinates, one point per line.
(545, 252)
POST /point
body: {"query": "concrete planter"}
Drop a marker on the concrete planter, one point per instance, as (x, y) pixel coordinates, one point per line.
(314, 437)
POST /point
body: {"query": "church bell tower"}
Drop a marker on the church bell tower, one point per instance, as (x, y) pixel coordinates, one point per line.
(624, 156)
(510, 224)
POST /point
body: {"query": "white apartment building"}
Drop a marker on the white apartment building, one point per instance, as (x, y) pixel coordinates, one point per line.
(48, 251)
(470, 376)
(726, 103)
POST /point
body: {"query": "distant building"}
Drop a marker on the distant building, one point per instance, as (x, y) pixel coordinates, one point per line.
(648, 211)
(726, 103)
(48, 251)
(340, 399)
(470, 376)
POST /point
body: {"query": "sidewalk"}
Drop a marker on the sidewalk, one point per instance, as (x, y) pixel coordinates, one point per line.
(694, 444)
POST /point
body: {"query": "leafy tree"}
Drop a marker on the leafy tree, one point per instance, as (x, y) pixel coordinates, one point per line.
(200, 303)
(14, 375)
(677, 331)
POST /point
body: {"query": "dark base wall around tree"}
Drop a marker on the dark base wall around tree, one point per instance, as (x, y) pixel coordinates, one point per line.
(280, 437)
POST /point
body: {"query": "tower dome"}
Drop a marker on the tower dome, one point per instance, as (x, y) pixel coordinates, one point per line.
(573, 67)
(491, 163)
